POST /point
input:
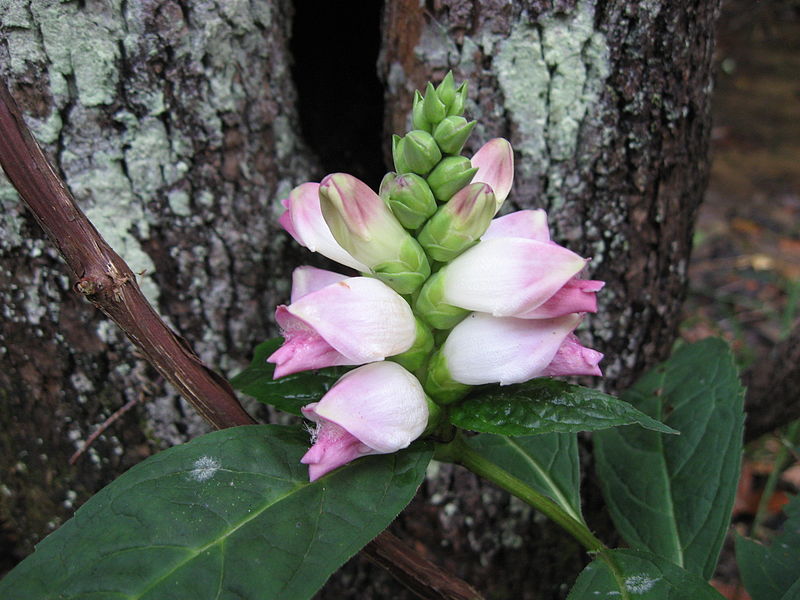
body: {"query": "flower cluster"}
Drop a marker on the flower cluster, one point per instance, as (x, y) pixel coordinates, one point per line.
(448, 296)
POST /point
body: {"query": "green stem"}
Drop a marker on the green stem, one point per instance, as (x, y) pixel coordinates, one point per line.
(777, 468)
(459, 452)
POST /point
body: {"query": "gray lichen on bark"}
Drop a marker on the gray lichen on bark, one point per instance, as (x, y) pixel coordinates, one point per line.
(173, 124)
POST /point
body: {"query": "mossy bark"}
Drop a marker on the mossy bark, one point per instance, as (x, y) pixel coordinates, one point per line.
(174, 125)
(607, 107)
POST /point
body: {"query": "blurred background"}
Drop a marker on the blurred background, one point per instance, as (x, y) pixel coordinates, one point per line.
(745, 270)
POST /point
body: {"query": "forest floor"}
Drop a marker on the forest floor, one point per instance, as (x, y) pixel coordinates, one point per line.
(745, 270)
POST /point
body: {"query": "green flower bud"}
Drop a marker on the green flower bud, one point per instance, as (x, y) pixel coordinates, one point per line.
(418, 118)
(410, 199)
(430, 306)
(434, 109)
(406, 273)
(447, 89)
(420, 152)
(452, 133)
(449, 176)
(440, 385)
(457, 106)
(400, 164)
(458, 224)
(415, 357)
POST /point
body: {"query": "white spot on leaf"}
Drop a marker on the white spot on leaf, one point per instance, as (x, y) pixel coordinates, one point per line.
(204, 468)
(639, 584)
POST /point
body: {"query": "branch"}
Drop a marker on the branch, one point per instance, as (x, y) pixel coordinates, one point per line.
(772, 384)
(107, 281)
(103, 277)
(425, 579)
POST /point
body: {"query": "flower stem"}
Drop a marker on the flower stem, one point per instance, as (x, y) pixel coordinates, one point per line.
(460, 453)
(787, 442)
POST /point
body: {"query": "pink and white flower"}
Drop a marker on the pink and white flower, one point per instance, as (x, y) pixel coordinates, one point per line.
(495, 163)
(505, 350)
(577, 295)
(573, 358)
(303, 220)
(508, 276)
(359, 219)
(376, 409)
(352, 321)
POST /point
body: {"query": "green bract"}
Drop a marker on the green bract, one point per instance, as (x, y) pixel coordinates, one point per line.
(449, 176)
(420, 152)
(452, 133)
(458, 224)
(431, 306)
(410, 198)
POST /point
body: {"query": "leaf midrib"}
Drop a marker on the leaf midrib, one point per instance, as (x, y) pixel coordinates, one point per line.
(673, 525)
(197, 552)
(560, 497)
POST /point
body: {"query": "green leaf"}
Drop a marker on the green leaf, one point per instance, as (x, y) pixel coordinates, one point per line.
(773, 571)
(230, 515)
(290, 392)
(793, 593)
(547, 462)
(673, 495)
(639, 576)
(546, 406)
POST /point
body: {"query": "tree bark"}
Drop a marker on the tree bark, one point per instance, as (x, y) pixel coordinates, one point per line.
(173, 124)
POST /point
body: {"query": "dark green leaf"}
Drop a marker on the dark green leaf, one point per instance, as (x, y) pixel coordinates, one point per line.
(793, 593)
(773, 571)
(290, 392)
(546, 406)
(547, 462)
(672, 495)
(640, 576)
(230, 515)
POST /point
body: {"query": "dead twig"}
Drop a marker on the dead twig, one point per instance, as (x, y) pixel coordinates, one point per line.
(103, 426)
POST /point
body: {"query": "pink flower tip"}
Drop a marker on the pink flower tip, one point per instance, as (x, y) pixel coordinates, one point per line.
(332, 448)
(573, 358)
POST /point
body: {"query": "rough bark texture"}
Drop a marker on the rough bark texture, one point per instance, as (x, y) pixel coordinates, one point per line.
(173, 124)
(607, 107)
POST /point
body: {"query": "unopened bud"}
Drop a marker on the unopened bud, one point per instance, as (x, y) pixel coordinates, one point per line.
(406, 272)
(414, 358)
(452, 133)
(418, 119)
(449, 176)
(363, 225)
(400, 164)
(457, 106)
(435, 110)
(420, 152)
(433, 309)
(458, 224)
(410, 199)
(447, 89)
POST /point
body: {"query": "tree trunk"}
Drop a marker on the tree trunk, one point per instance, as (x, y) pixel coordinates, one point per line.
(174, 124)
